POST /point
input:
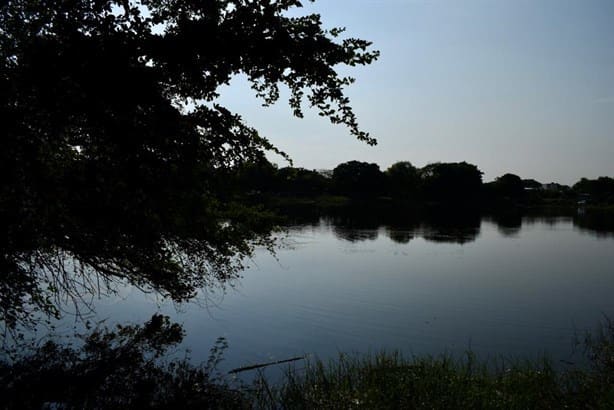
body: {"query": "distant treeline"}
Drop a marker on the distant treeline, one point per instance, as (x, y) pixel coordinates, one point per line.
(456, 183)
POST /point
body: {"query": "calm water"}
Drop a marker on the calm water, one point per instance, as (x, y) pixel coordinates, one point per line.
(495, 287)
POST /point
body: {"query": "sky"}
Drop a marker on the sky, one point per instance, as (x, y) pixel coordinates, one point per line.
(520, 86)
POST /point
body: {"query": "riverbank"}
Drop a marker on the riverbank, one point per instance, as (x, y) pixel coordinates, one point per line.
(125, 368)
(390, 381)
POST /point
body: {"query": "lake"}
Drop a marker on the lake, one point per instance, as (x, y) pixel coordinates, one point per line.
(514, 288)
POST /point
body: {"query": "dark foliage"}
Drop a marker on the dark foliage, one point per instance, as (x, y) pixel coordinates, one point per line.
(391, 381)
(358, 179)
(510, 186)
(123, 368)
(120, 368)
(301, 182)
(531, 184)
(403, 180)
(456, 186)
(114, 153)
(451, 182)
(600, 190)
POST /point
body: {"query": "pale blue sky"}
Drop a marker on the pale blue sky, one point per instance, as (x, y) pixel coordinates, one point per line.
(512, 86)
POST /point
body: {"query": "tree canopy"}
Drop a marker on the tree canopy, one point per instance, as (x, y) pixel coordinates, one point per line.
(453, 181)
(600, 189)
(510, 185)
(403, 179)
(113, 143)
(356, 178)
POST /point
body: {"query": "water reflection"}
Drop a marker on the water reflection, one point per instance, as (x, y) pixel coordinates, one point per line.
(508, 223)
(399, 235)
(375, 280)
(354, 224)
(351, 234)
(599, 223)
(459, 227)
(349, 286)
(441, 225)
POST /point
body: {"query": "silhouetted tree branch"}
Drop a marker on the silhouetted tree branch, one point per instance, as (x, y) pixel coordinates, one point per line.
(114, 148)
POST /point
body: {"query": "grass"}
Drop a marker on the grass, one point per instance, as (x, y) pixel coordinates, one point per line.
(120, 369)
(392, 381)
(388, 380)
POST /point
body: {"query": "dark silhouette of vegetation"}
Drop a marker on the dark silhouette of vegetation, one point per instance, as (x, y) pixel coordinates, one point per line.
(253, 178)
(510, 186)
(117, 164)
(115, 156)
(403, 180)
(420, 201)
(118, 368)
(451, 182)
(125, 368)
(531, 184)
(391, 381)
(440, 202)
(600, 190)
(301, 182)
(453, 185)
(358, 179)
